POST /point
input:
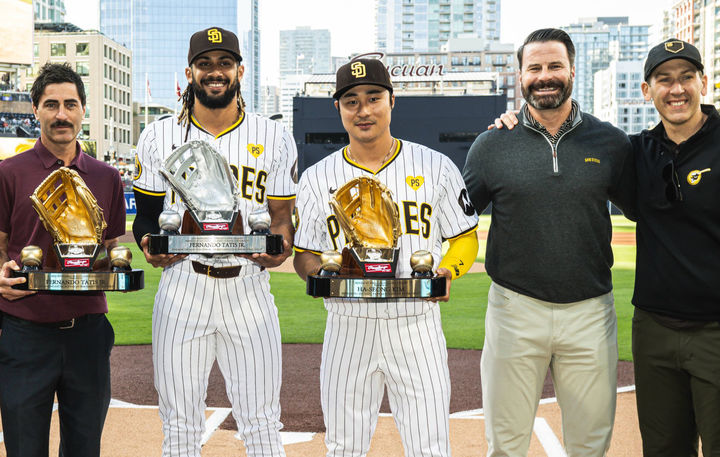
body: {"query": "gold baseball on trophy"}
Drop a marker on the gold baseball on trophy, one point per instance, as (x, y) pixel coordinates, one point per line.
(331, 261)
(169, 221)
(31, 256)
(120, 257)
(421, 261)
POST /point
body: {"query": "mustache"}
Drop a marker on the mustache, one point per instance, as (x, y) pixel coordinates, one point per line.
(61, 124)
(547, 85)
(218, 79)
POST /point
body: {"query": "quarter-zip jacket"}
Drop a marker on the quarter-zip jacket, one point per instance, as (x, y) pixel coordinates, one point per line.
(678, 258)
(550, 232)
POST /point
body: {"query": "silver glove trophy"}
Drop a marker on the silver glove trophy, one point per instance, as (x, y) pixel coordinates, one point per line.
(212, 223)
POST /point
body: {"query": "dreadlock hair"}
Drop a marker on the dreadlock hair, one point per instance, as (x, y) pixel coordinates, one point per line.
(188, 101)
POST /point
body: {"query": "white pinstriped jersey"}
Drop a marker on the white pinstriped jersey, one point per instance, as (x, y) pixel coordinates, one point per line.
(432, 203)
(261, 153)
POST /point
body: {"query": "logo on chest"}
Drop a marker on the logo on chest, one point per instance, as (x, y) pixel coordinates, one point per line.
(415, 181)
(694, 177)
(255, 149)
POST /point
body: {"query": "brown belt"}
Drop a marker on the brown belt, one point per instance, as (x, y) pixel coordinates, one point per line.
(216, 272)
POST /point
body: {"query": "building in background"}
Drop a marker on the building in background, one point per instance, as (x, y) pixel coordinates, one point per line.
(619, 99)
(106, 70)
(49, 10)
(599, 41)
(426, 25)
(270, 101)
(154, 110)
(158, 33)
(305, 51)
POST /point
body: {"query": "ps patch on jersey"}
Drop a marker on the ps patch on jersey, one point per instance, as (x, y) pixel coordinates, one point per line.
(415, 181)
(465, 204)
(255, 149)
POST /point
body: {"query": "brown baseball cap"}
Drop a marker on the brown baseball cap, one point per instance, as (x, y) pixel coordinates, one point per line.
(671, 49)
(361, 71)
(213, 39)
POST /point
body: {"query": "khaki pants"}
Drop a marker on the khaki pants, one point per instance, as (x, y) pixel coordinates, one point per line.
(577, 341)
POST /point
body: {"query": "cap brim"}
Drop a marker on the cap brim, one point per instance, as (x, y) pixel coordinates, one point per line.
(237, 56)
(340, 92)
(697, 64)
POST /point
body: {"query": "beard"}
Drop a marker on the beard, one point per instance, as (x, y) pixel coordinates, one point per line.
(215, 101)
(542, 102)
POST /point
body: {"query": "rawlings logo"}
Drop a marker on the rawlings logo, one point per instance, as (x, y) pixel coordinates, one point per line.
(216, 226)
(77, 263)
(378, 268)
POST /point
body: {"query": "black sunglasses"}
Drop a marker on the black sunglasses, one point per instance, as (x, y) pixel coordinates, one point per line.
(672, 182)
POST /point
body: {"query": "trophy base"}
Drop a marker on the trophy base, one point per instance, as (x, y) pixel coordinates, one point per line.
(91, 281)
(374, 288)
(215, 244)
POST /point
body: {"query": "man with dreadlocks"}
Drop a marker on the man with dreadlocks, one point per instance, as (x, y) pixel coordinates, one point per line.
(210, 308)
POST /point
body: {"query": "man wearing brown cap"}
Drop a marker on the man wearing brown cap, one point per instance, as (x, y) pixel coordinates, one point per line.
(220, 307)
(676, 329)
(394, 343)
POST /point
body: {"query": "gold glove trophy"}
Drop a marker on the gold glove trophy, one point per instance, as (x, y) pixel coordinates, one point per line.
(367, 268)
(212, 224)
(69, 211)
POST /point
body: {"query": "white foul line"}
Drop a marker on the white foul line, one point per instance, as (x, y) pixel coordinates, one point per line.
(213, 422)
(548, 439)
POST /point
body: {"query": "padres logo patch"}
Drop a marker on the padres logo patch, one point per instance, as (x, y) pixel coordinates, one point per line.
(138, 168)
(214, 36)
(694, 177)
(255, 149)
(357, 69)
(415, 181)
(674, 46)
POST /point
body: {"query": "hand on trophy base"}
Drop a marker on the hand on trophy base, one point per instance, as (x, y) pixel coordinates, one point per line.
(8, 283)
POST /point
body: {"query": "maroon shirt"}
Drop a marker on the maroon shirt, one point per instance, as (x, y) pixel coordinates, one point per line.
(19, 177)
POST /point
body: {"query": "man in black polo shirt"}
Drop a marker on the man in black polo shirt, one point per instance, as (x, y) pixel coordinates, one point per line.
(676, 334)
(53, 344)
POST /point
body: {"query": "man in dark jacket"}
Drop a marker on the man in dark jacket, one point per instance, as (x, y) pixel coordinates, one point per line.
(549, 257)
(676, 334)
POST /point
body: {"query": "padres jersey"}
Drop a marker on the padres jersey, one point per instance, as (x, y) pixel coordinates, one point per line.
(432, 203)
(261, 154)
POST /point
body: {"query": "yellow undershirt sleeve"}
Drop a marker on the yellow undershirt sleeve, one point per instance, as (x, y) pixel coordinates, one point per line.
(461, 254)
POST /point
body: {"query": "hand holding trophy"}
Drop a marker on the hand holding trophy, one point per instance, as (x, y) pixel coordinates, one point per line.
(367, 268)
(212, 223)
(70, 213)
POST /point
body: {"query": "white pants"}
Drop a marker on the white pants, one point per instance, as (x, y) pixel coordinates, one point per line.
(198, 319)
(408, 355)
(578, 341)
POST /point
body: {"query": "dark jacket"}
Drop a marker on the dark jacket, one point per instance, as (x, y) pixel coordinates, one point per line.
(678, 242)
(550, 232)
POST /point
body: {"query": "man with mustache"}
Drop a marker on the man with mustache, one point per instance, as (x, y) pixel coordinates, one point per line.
(217, 308)
(53, 345)
(550, 304)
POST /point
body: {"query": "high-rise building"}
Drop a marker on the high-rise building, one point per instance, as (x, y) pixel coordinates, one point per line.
(106, 68)
(425, 25)
(598, 41)
(619, 99)
(158, 33)
(49, 10)
(683, 13)
(305, 51)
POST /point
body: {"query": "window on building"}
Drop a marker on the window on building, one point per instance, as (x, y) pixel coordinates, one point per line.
(86, 129)
(57, 49)
(82, 68)
(82, 49)
(36, 50)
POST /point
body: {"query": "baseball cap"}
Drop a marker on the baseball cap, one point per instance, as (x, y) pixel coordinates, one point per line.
(213, 39)
(361, 71)
(671, 49)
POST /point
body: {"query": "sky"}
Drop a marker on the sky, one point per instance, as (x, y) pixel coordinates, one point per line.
(351, 22)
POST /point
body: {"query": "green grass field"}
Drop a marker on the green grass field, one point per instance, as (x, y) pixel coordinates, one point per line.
(302, 318)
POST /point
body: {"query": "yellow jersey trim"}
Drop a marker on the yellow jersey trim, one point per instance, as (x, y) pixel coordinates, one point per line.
(280, 197)
(297, 249)
(229, 129)
(147, 192)
(398, 147)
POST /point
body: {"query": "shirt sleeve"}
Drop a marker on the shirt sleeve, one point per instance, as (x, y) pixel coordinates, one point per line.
(457, 212)
(116, 222)
(474, 177)
(282, 181)
(6, 198)
(148, 163)
(311, 234)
